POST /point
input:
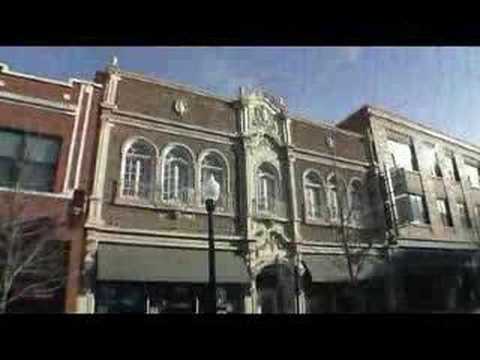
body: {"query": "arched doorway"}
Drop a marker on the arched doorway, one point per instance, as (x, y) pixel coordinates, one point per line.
(276, 289)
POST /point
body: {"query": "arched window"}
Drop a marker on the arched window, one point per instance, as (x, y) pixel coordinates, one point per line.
(267, 188)
(178, 178)
(214, 164)
(313, 194)
(336, 198)
(139, 168)
(356, 202)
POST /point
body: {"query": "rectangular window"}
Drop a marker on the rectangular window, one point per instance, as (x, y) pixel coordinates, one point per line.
(463, 214)
(432, 160)
(28, 161)
(471, 172)
(451, 167)
(418, 209)
(402, 155)
(444, 212)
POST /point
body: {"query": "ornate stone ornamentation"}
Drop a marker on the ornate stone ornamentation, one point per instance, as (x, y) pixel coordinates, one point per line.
(180, 106)
(330, 141)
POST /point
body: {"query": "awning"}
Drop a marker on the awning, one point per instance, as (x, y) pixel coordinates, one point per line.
(431, 260)
(334, 268)
(154, 264)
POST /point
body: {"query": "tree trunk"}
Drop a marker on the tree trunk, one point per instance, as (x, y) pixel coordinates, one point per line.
(3, 303)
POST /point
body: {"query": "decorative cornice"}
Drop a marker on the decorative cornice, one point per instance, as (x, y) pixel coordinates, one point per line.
(162, 234)
(173, 123)
(387, 115)
(174, 85)
(38, 103)
(4, 69)
(165, 129)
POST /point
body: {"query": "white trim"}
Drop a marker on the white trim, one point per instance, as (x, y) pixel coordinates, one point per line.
(167, 130)
(123, 157)
(321, 187)
(4, 69)
(115, 231)
(173, 123)
(86, 121)
(302, 151)
(63, 195)
(68, 109)
(385, 115)
(73, 139)
(167, 148)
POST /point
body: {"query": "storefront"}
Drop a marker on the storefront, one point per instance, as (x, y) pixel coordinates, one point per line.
(328, 286)
(137, 279)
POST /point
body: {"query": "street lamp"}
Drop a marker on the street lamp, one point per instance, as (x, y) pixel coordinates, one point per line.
(211, 192)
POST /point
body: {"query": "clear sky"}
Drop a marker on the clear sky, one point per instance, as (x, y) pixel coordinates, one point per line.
(436, 86)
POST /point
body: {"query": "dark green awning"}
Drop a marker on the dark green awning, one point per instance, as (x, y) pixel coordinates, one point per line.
(154, 264)
(334, 268)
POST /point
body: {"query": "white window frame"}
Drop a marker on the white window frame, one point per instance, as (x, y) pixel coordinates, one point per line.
(262, 190)
(165, 187)
(225, 187)
(125, 156)
(472, 170)
(312, 211)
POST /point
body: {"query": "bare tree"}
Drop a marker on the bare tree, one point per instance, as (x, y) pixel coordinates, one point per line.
(32, 260)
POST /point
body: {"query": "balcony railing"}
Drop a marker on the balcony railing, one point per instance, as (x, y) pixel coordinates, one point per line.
(275, 209)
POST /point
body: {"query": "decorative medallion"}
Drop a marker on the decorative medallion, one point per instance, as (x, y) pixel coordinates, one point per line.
(330, 141)
(180, 106)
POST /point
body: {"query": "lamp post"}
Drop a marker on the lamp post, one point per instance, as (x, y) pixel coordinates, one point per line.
(211, 192)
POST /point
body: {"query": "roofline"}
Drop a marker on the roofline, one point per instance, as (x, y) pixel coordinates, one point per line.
(399, 119)
(173, 85)
(5, 69)
(324, 124)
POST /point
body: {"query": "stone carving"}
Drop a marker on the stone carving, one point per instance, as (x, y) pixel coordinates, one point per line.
(180, 106)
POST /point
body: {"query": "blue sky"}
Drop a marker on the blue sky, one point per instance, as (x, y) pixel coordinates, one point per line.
(436, 86)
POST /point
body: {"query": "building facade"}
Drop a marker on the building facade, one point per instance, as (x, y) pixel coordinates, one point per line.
(432, 184)
(47, 137)
(285, 183)
(373, 214)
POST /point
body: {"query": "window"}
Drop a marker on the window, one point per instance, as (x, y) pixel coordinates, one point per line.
(313, 190)
(28, 161)
(213, 164)
(178, 175)
(267, 188)
(139, 166)
(444, 212)
(451, 167)
(418, 209)
(471, 172)
(463, 214)
(336, 198)
(401, 155)
(356, 202)
(432, 160)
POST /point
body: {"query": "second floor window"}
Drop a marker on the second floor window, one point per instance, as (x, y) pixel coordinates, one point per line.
(336, 194)
(432, 160)
(418, 209)
(213, 164)
(463, 214)
(444, 212)
(267, 188)
(139, 167)
(471, 172)
(356, 202)
(178, 175)
(451, 167)
(28, 161)
(313, 195)
(401, 155)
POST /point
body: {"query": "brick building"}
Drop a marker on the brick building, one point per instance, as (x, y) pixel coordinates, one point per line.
(276, 221)
(294, 192)
(432, 181)
(48, 133)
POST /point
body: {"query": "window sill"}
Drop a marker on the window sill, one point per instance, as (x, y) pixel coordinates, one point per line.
(267, 216)
(168, 207)
(38, 193)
